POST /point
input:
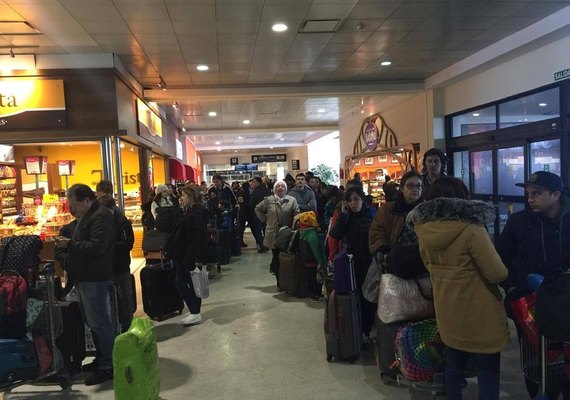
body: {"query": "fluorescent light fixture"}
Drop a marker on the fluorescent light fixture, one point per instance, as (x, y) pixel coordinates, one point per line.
(235, 151)
(271, 147)
(321, 110)
(202, 68)
(246, 121)
(217, 142)
(212, 113)
(240, 137)
(476, 114)
(386, 63)
(542, 104)
(279, 27)
(281, 139)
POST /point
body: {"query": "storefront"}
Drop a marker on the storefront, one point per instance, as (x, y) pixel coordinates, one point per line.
(376, 155)
(69, 127)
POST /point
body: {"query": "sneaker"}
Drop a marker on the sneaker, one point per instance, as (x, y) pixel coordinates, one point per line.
(92, 366)
(191, 319)
(99, 376)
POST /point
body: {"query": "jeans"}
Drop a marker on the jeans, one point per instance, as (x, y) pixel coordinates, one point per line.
(488, 368)
(126, 299)
(185, 288)
(95, 299)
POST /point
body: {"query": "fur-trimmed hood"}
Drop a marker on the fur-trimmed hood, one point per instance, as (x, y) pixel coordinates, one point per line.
(448, 209)
(441, 221)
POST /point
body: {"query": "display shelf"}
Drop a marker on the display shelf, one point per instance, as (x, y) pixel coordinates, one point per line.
(8, 191)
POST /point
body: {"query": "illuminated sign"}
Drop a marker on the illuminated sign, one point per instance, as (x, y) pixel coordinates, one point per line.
(28, 104)
(150, 124)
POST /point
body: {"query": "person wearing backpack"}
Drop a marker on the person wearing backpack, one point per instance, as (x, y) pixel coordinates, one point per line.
(193, 240)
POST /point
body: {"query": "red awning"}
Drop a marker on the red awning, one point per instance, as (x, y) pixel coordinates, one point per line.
(190, 173)
(177, 170)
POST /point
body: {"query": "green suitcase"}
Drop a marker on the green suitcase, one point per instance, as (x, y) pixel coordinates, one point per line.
(135, 363)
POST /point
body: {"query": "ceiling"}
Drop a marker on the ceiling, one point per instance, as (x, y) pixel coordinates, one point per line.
(292, 85)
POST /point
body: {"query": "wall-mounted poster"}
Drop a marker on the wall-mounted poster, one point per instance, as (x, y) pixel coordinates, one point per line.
(383, 158)
(396, 160)
(150, 124)
(368, 160)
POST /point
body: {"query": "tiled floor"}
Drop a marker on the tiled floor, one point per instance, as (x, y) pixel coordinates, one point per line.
(256, 343)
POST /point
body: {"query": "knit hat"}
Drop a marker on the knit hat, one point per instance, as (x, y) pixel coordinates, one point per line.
(161, 188)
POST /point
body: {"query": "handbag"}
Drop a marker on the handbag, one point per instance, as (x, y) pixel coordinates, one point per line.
(405, 261)
(404, 300)
(200, 282)
(287, 239)
(371, 284)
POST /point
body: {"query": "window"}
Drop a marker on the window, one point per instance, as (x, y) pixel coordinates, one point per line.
(475, 121)
(545, 156)
(482, 170)
(532, 108)
(510, 165)
(461, 166)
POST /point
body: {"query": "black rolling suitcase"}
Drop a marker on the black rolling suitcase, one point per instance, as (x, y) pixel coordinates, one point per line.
(71, 342)
(385, 355)
(343, 329)
(160, 297)
(223, 243)
(292, 277)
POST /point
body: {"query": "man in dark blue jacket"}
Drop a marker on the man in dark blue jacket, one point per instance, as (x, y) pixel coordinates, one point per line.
(536, 240)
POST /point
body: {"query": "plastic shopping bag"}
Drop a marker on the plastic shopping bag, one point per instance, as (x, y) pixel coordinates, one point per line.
(200, 282)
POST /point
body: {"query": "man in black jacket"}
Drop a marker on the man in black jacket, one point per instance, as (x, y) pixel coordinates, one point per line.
(536, 240)
(89, 264)
(258, 193)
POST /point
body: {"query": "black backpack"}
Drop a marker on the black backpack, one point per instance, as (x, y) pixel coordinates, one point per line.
(166, 218)
(174, 247)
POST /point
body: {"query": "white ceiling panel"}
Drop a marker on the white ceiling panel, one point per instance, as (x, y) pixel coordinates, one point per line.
(259, 67)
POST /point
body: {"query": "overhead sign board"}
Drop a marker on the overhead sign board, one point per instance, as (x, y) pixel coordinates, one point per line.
(564, 74)
(269, 158)
(32, 104)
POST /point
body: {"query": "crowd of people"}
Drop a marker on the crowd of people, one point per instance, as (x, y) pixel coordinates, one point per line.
(428, 210)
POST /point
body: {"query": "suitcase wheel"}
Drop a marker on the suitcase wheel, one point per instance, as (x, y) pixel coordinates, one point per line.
(329, 358)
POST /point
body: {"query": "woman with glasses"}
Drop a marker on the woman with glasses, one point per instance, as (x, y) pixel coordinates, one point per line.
(352, 228)
(388, 230)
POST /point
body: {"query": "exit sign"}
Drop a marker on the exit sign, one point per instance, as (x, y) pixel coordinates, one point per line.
(565, 73)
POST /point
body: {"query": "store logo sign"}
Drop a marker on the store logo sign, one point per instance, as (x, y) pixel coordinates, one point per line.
(26, 103)
(371, 136)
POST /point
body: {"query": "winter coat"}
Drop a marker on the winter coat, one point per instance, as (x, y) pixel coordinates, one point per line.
(387, 225)
(195, 222)
(305, 198)
(90, 250)
(532, 244)
(124, 241)
(353, 229)
(310, 246)
(216, 195)
(275, 214)
(162, 202)
(465, 270)
(257, 196)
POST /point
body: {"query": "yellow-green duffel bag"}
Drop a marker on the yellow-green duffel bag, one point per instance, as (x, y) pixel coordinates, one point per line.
(135, 363)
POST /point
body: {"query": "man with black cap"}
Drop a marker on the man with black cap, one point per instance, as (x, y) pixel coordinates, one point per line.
(536, 240)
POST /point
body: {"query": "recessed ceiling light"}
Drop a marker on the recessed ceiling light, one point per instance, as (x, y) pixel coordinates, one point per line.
(212, 113)
(542, 104)
(235, 151)
(279, 27)
(476, 114)
(202, 68)
(321, 110)
(240, 137)
(219, 149)
(217, 142)
(281, 139)
(386, 63)
(271, 147)
(183, 129)
(246, 121)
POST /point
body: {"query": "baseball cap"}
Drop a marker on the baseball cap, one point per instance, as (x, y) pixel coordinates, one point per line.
(161, 188)
(545, 179)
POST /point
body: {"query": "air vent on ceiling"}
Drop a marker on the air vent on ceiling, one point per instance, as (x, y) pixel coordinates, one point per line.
(320, 26)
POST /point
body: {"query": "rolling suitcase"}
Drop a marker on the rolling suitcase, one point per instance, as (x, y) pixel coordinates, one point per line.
(19, 361)
(343, 329)
(135, 363)
(71, 342)
(223, 243)
(292, 277)
(160, 297)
